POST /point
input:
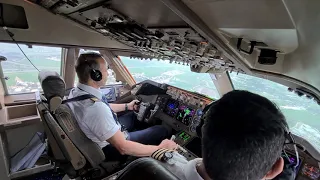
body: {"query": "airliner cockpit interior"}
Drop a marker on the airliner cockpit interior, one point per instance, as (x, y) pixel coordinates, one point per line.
(176, 57)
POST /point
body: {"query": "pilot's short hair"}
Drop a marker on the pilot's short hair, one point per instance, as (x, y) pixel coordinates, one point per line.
(243, 136)
(85, 63)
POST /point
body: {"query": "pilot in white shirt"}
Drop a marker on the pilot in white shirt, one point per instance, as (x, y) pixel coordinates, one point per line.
(97, 118)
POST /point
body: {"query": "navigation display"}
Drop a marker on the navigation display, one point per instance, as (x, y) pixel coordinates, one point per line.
(171, 107)
(185, 114)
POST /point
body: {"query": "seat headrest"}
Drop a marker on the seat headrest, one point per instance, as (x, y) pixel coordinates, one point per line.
(53, 87)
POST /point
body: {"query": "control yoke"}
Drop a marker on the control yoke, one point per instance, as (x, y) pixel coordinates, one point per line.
(145, 111)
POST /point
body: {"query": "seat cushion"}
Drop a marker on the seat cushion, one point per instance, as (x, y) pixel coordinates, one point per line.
(146, 169)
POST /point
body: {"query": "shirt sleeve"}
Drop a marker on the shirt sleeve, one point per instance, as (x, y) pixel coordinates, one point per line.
(101, 122)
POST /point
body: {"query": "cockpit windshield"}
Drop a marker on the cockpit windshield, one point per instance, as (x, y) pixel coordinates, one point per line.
(302, 114)
(170, 73)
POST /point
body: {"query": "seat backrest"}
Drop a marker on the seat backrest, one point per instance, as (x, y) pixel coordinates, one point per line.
(53, 87)
(72, 142)
(90, 150)
(145, 168)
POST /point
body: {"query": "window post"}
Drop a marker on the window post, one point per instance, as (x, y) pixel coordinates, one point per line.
(68, 71)
(222, 82)
(118, 67)
(3, 80)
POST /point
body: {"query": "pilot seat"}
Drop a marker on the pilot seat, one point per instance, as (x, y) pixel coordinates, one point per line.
(69, 148)
(143, 168)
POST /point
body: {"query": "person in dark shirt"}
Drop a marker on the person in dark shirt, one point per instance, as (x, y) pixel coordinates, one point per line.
(243, 135)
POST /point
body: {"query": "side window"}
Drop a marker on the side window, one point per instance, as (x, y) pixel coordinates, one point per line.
(111, 75)
(302, 114)
(21, 76)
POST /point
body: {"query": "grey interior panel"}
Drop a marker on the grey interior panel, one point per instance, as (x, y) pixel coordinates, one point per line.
(151, 13)
(304, 63)
(247, 14)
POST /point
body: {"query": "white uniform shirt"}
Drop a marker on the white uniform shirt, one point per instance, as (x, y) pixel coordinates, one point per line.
(185, 170)
(94, 118)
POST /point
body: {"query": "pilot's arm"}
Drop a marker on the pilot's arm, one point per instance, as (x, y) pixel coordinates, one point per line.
(136, 149)
(122, 107)
(105, 128)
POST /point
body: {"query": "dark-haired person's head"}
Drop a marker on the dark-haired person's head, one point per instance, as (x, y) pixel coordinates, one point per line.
(86, 64)
(243, 136)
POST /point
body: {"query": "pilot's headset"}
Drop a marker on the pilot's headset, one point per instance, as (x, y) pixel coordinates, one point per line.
(95, 74)
(288, 135)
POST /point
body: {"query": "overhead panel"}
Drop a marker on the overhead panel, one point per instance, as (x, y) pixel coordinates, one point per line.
(149, 27)
(151, 13)
(45, 27)
(66, 6)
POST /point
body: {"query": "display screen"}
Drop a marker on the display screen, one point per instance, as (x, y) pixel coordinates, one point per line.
(195, 146)
(185, 114)
(311, 171)
(184, 136)
(171, 107)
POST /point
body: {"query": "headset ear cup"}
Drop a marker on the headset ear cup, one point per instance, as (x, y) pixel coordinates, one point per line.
(202, 119)
(199, 128)
(96, 75)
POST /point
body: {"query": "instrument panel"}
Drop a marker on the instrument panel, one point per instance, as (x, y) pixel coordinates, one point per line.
(187, 97)
(183, 113)
(185, 107)
(310, 172)
(309, 168)
(178, 108)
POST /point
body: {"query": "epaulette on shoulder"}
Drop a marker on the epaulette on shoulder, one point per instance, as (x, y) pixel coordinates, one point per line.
(94, 99)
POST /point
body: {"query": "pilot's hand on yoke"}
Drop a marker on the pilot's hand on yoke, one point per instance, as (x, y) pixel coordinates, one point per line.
(133, 105)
